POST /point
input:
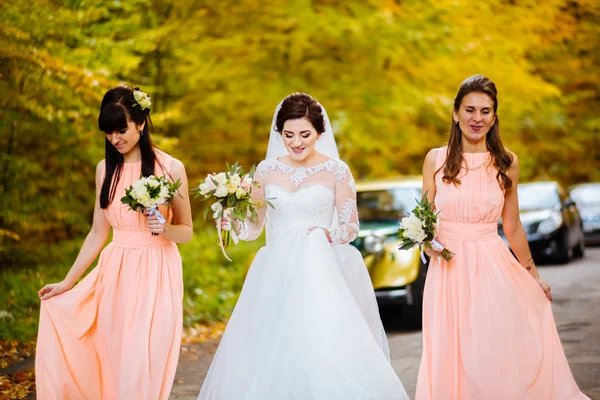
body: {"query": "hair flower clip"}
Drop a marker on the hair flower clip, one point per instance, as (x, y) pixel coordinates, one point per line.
(142, 99)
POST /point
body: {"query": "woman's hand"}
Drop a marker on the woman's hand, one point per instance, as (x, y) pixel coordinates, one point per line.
(154, 225)
(312, 228)
(53, 289)
(545, 287)
(433, 251)
(226, 224)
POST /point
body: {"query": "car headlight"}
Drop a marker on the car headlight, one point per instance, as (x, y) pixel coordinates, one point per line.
(551, 224)
(374, 244)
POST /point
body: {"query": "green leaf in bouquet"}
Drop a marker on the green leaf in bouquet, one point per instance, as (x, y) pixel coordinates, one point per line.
(270, 204)
(230, 200)
(205, 213)
(252, 171)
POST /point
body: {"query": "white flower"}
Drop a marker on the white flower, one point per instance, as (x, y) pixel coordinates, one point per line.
(235, 179)
(153, 182)
(164, 193)
(221, 178)
(240, 192)
(142, 99)
(231, 187)
(413, 228)
(204, 188)
(216, 207)
(210, 182)
(221, 191)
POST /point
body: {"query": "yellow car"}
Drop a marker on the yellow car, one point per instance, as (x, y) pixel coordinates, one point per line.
(398, 275)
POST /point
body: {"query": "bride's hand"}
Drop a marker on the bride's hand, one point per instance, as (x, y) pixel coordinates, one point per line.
(545, 287)
(226, 224)
(312, 228)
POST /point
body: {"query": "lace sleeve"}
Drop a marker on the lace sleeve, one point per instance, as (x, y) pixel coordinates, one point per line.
(345, 202)
(252, 230)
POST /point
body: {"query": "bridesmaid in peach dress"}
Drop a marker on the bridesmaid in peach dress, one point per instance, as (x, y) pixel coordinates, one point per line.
(116, 334)
(488, 328)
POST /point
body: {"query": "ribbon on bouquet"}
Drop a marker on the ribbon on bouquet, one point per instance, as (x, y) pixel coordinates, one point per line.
(435, 244)
(159, 216)
(226, 213)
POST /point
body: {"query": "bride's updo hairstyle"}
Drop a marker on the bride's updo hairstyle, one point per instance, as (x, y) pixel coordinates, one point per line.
(300, 105)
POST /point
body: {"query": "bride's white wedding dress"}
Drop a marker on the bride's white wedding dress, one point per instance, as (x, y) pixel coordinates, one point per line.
(306, 325)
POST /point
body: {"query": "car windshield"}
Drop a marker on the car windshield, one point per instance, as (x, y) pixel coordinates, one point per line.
(587, 195)
(387, 205)
(537, 196)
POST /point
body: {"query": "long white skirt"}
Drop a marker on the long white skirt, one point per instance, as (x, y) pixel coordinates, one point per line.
(306, 327)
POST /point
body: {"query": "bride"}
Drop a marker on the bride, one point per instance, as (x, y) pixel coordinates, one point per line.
(306, 325)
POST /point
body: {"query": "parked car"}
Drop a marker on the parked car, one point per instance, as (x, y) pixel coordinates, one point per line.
(587, 197)
(552, 222)
(398, 275)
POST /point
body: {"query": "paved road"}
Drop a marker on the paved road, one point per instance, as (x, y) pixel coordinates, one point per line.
(576, 305)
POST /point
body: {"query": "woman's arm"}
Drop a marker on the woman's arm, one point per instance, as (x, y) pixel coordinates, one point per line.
(345, 203)
(513, 228)
(181, 230)
(429, 174)
(429, 169)
(91, 246)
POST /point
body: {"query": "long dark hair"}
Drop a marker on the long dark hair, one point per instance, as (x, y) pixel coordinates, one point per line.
(116, 108)
(301, 105)
(500, 156)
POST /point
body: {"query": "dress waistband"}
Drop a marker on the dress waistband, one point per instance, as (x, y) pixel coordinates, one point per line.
(468, 232)
(137, 239)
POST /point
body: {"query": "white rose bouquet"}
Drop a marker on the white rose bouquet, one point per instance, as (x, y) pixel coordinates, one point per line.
(146, 194)
(420, 228)
(229, 194)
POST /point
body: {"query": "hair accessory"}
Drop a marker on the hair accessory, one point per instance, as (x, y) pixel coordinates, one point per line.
(141, 99)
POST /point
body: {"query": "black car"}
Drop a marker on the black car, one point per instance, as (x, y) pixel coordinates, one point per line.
(587, 197)
(552, 222)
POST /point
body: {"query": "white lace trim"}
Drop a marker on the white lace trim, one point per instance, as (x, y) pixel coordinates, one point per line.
(352, 184)
(298, 174)
(348, 209)
(341, 171)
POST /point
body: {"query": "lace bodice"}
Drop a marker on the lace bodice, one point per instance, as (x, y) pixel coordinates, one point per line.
(323, 196)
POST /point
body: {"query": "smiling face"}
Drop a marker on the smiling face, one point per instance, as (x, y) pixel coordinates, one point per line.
(126, 140)
(475, 116)
(300, 138)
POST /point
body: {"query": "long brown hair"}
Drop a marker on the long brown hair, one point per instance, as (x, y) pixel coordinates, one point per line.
(118, 105)
(501, 158)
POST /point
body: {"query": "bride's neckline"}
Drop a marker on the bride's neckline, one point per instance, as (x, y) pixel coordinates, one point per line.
(287, 166)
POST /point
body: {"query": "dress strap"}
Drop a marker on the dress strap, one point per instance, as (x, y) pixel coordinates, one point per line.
(441, 157)
(163, 163)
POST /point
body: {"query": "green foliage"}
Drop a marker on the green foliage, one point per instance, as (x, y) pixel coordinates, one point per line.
(386, 71)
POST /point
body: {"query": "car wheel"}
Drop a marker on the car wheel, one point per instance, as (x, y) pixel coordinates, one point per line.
(412, 314)
(566, 252)
(579, 250)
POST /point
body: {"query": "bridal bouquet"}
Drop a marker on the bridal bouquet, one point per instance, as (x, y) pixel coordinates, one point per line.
(146, 194)
(229, 194)
(420, 228)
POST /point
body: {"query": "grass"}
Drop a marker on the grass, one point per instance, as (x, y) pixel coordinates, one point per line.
(211, 283)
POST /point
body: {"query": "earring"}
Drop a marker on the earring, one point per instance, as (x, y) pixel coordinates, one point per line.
(141, 133)
(456, 122)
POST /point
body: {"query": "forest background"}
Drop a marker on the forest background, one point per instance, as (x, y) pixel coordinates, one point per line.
(386, 71)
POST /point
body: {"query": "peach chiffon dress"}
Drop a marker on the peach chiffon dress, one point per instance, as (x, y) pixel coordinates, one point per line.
(488, 329)
(117, 333)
